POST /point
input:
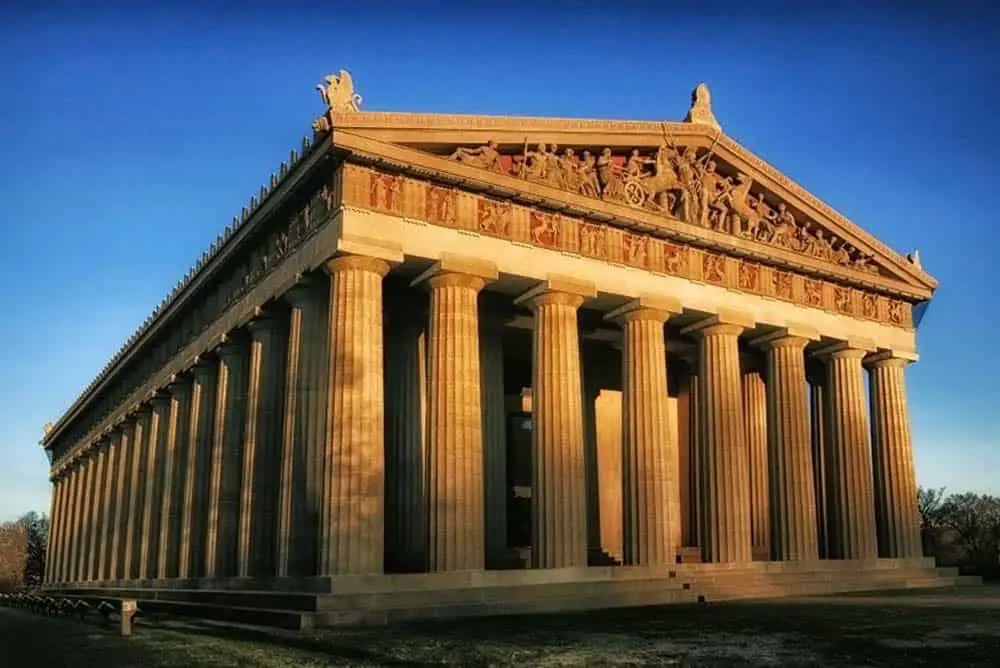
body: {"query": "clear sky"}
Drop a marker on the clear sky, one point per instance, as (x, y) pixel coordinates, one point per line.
(128, 141)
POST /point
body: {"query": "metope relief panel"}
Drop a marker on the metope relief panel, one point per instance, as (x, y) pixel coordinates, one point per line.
(523, 224)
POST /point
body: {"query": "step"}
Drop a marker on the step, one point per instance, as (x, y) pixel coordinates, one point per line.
(490, 595)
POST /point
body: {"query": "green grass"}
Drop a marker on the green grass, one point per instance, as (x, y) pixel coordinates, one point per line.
(879, 630)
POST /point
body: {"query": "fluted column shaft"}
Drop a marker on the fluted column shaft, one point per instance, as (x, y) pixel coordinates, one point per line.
(137, 489)
(558, 509)
(99, 463)
(262, 448)
(174, 455)
(817, 403)
(848, 462)
(226, 458)
(455, 525)
(196, 479)
(156, 447)
(793, 501)
(651, 501)
(494, 439)
(695, 446)
(53, 532)
(725, 488)
(87, 506)
(119, 526)
(304, 431)
(755, 416)
(67, 539)
(406, 433)
(896, 513)
(73, 532)
(354, 506)
(54, 553)
(112, 483)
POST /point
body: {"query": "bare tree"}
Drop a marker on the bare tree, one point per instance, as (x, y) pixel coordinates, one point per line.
(929, 502)
(975, 519)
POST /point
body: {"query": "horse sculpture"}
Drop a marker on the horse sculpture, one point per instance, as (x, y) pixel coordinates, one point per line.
(650, 189)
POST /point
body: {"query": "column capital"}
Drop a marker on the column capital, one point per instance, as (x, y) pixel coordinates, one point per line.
(889, 358)
(458, 270)
(558, 290)
(850, 349)
(645, 307)
(792, 336)
(366, 263)
(231, 343)
(264, 318)
(305, 288)
(726, 321)
(159, 399)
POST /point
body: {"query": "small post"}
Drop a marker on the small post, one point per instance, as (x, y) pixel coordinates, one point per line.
(128, 612)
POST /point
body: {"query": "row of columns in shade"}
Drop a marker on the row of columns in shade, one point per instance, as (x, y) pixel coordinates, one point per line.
(273, 462)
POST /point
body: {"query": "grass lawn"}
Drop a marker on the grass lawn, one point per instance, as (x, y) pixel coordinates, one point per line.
(876, 630)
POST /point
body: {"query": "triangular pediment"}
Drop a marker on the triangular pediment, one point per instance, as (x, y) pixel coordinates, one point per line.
(690, 178)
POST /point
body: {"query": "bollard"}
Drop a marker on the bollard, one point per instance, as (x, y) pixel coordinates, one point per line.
(128, 612)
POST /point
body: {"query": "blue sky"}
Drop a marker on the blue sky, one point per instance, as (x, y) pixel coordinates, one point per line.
(128, 141)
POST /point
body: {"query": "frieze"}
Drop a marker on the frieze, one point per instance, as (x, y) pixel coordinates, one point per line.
(681, 182)
(523, 224)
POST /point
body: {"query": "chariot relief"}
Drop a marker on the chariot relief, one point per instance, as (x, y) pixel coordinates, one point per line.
(675, 181)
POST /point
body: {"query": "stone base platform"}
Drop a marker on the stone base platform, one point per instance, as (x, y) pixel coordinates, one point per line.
(380, 599)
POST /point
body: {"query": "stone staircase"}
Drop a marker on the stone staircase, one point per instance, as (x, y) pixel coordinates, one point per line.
(394, 598)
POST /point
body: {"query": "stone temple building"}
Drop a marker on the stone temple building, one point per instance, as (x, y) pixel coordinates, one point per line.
(447, 364)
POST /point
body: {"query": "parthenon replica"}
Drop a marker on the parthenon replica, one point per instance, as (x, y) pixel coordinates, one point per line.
(452, 364)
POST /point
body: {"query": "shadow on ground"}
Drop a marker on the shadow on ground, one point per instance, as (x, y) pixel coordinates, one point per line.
(946, 627)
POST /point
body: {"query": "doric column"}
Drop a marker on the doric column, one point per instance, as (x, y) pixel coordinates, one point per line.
(455, 519)
(602, 487)
(651, 490)
(816, 375)
(494, 436)
(99, 462)
(755, 417)
(354, 507)
(156, 447)
(793, 502)
(65, 531)
(111, 484)
(725, 488)
(695, 446)
(50, 539)
(72, 522)
(406, 432)
(226, 457)
(896, 513)
(558, 509)
(174, 456)
(53, 554)
(87, 467)
(850, 499)
(137, 489)
(304, 431)
(261, 447)
(194, 507)
(119, 525)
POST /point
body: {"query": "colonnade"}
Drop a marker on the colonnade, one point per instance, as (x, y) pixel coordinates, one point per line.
(268, 456)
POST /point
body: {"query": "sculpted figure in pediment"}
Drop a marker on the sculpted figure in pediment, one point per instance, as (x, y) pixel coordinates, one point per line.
(484, 157)
(610, 175)
(589, 185)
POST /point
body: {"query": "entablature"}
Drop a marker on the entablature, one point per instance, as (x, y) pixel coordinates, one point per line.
(547, 197)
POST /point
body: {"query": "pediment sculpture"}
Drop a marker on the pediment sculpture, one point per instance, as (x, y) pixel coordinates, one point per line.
(675, 181)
